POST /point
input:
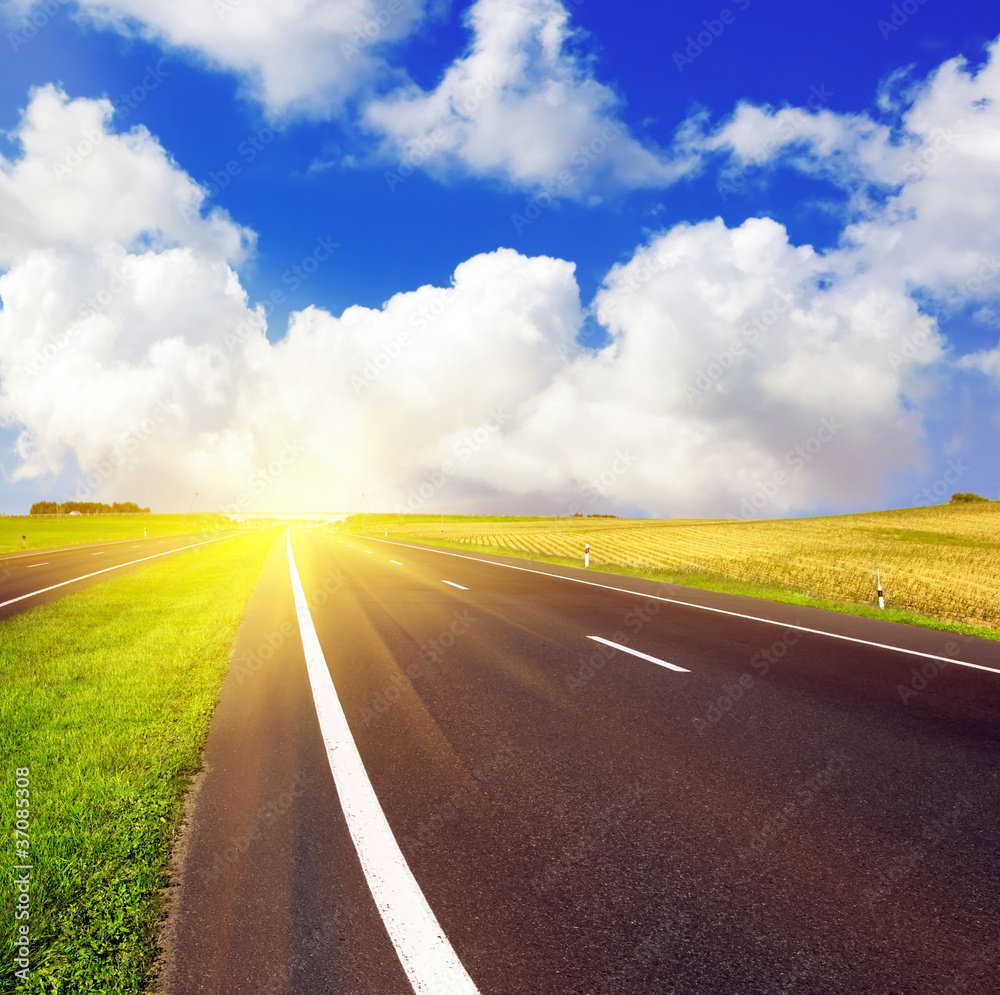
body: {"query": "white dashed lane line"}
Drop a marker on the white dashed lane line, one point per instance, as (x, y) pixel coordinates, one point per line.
(706, 608)
(398, 564)
(642, 656)
(45, 563)
(453, 584)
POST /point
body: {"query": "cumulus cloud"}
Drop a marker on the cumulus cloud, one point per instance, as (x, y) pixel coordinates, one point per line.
(112, 292)
(744, 374)
(925, 205)
(738, 381)
(299, 55)
(522, 107)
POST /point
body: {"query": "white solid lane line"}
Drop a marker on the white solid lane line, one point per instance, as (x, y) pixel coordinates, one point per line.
(44, 563)
(429, 960)
(453, 584)
(642, 656)
(705, 608)
(96, 573)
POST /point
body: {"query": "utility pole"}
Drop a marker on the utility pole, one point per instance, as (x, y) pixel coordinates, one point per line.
(193, 500)
(370, 513)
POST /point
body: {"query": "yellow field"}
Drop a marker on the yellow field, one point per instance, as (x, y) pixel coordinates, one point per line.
(943, 561)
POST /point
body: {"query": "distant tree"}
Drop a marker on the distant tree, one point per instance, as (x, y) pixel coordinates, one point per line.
(966, 498)
(87, 508)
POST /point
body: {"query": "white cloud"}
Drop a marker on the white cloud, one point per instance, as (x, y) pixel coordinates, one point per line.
(727, 355)
(113, 294)
(741, 367)
(299, 55)
(925, 202)
(522, 107)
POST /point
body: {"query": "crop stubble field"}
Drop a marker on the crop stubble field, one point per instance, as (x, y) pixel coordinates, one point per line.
(942, 562)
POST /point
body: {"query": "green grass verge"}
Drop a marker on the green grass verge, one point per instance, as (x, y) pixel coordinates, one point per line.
(106, 696)
(48, 532)
(728, 585)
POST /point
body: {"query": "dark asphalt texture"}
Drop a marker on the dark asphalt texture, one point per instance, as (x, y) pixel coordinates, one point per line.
(797, 814)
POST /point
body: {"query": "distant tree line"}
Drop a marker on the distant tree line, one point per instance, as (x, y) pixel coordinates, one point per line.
(966, 498)
(86, 508)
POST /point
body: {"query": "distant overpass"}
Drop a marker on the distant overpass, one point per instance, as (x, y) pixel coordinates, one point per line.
(327, 517)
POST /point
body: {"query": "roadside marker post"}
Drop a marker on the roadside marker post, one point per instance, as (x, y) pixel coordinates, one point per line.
(881, 596)
(586, 555)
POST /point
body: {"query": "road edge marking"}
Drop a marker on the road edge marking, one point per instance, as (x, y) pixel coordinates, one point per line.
(706, 608)
(117, 566)
(425, 953)
(642, 656)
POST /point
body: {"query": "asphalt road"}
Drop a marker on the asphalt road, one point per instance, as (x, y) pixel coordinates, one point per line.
(787, 812)
(34, 577)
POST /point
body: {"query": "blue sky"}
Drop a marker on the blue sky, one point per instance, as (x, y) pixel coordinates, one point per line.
(297, 142)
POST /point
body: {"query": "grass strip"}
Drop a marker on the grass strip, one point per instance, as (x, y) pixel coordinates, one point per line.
(106, 696)
(729, 585)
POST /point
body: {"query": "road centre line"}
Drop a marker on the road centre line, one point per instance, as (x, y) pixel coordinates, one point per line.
(398, 564)
(642, 656)
(427, 957)
(453, 584)
(95, 573)
(42, 564)
(705, 608)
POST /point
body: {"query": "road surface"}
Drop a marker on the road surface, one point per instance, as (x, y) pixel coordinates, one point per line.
(746, 807)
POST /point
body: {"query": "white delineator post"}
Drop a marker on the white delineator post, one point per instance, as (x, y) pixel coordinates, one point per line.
(586, 555)
(881, 596)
